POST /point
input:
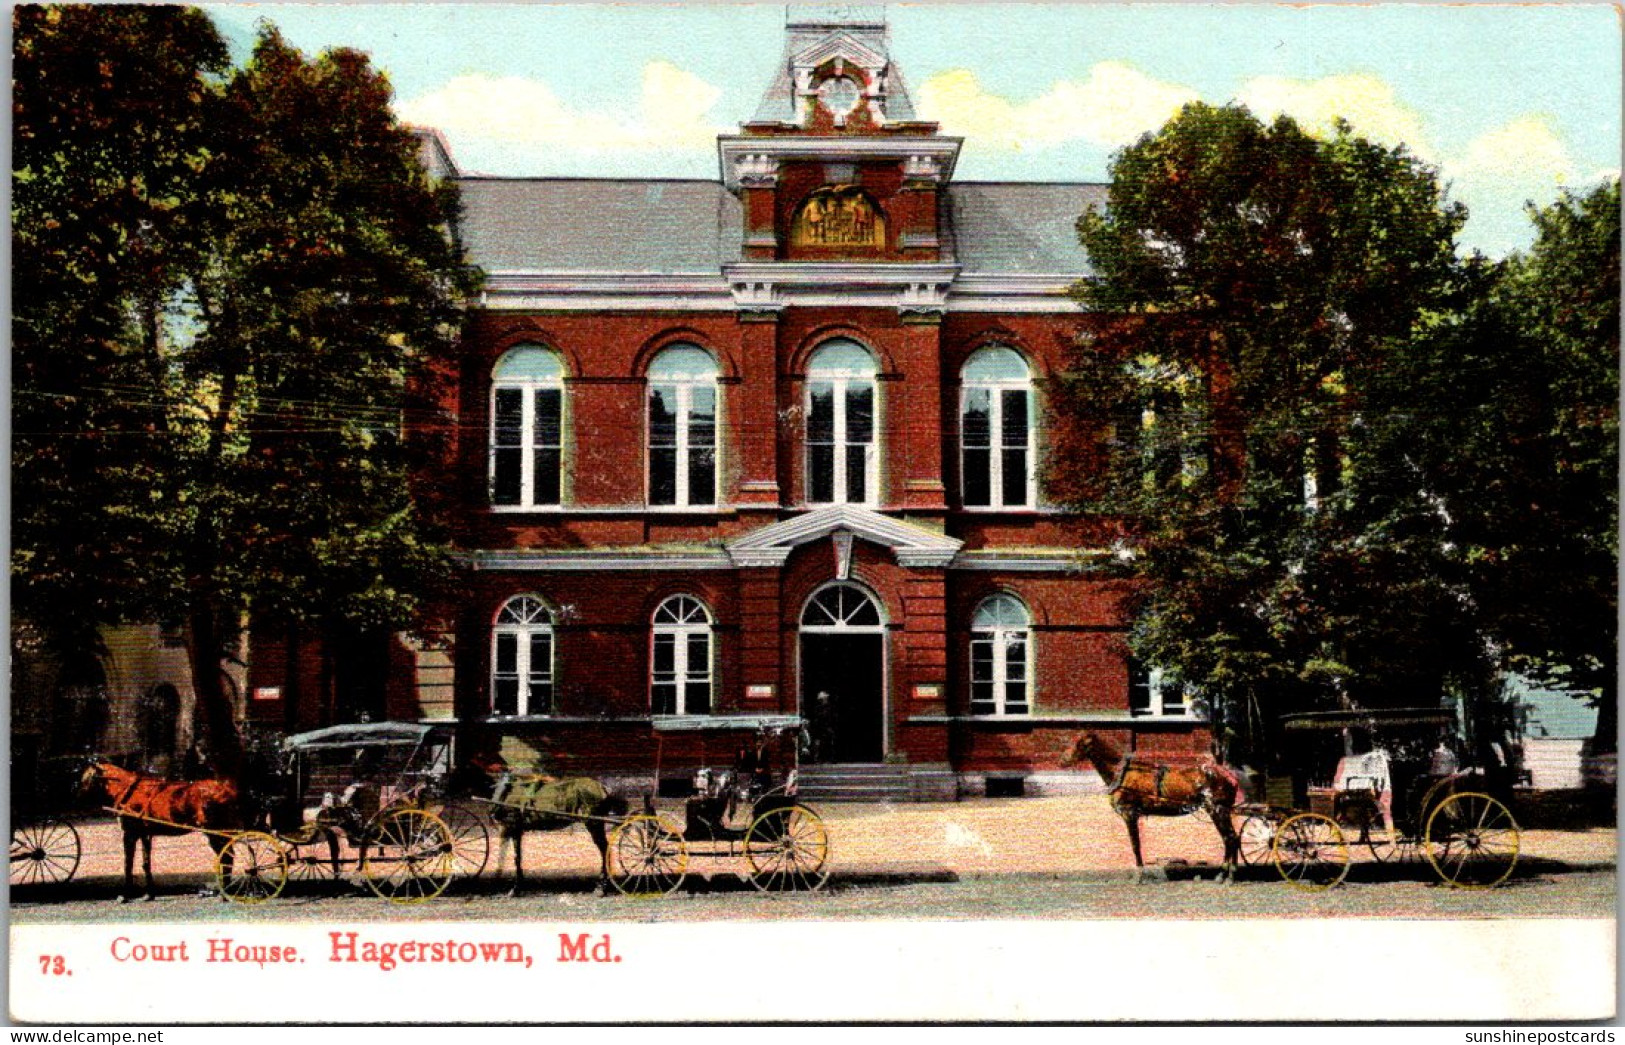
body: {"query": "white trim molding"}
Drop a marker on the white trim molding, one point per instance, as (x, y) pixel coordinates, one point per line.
(1031, 560)
(525, 559)
(604, 291)
(941, 149)
(906, 286)
(914, 546)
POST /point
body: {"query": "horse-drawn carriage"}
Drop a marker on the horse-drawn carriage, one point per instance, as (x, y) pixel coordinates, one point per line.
(1403, 796)
(382, 790)
(45, 846)
(747, 812)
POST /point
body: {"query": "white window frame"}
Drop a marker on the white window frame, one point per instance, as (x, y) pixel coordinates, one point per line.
(523, 617)
(686, 616)
(998, 636)
(528, 387)
(842, 378)
(1158, 689)
(684, 386)
(995, 387)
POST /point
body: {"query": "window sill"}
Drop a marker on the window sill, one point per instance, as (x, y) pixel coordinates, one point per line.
(1007, 509)
(689, 723)
(635, 509)
(1050, 720)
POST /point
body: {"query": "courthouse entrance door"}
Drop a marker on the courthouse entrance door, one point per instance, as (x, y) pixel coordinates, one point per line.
(843, 676)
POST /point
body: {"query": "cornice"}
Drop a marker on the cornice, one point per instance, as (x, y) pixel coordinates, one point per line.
(770, 286)
(753, 151)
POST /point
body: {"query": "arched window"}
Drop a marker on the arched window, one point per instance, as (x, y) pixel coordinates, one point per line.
(840, 607)
(680, 680)
(527, 428)
(683, 427)
(1001, 658)
(522, 658)
(841, 455)
(996, 430)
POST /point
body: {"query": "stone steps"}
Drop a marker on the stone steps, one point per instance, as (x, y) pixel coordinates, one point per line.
(855, 782)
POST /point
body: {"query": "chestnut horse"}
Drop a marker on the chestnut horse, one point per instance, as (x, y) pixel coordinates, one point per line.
(1139, 788)
(149, 806)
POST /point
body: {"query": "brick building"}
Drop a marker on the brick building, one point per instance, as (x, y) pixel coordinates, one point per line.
(729, 445)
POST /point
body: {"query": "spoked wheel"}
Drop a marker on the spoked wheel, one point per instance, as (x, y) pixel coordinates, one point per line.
(470, 838)
(252, 868)
(1257, 839)
(309, 858)
(788, 848)
(1310, 852)
(647, 857)
(1472, 841)
(1404, 849)
(409, 859)
(46, 852)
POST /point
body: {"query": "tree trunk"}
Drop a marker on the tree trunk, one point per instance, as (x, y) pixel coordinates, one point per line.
(223, 747)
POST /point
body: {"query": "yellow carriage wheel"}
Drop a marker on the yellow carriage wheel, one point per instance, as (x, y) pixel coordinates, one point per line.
(1310, 852)
(647, 857)
(309, 858)
(409, 856)
(251, 868)
(788, 849)
(1472, 841)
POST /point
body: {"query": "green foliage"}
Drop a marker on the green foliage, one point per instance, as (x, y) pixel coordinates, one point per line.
(111, 111)
(1251, 282)
(236, 291)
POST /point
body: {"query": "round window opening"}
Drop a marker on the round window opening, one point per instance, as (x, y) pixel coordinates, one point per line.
(840, 94)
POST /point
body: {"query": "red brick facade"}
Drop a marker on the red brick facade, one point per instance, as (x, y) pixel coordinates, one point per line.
(920, 275)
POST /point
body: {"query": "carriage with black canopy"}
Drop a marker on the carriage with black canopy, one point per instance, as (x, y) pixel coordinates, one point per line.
(45, 846)
(1392, 783)
(748, 812)
(381, 789)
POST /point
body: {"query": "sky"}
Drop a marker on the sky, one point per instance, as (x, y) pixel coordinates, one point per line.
(1509, 103)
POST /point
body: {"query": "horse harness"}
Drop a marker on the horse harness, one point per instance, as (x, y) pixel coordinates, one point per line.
(1159, 775)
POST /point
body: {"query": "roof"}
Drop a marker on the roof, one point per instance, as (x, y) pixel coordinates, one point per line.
(600, 225)
(360, 734)
(676, 227)
(1010, 227)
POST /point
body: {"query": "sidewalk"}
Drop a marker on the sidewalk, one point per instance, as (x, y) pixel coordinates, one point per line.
(1048, 836)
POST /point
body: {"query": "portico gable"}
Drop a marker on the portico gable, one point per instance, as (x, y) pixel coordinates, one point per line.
(913, 545)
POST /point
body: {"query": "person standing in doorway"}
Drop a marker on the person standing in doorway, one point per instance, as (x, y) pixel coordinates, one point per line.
(821, 727)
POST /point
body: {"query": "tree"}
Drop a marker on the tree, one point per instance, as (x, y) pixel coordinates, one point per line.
(1508, 410)
(285, 348)
(1566, 298)
(1249, 279)
(111, 115)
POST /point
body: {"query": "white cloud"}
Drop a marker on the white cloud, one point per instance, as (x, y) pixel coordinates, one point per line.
(1499, 171)
(671, 113)
(1116, 104)
(1366, 102)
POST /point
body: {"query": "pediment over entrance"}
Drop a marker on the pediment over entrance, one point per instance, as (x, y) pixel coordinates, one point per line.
(913, 545)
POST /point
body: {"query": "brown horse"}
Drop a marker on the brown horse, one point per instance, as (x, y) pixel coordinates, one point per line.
(1139, 788)
(148, 806)
(534, 802)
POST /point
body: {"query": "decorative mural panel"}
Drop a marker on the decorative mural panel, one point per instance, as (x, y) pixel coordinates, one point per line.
(838, 216)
